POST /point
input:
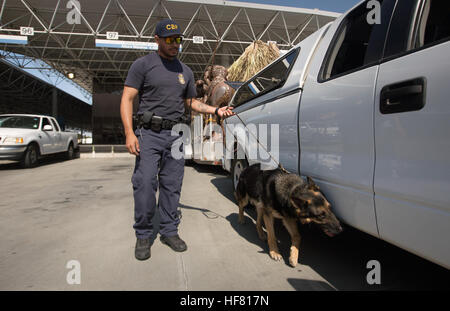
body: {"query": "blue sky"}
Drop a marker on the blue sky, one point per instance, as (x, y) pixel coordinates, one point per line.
(339, 6)
(62, 83)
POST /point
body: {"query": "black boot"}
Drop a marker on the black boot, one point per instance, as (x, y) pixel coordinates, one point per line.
(174, 242)
(142, 250)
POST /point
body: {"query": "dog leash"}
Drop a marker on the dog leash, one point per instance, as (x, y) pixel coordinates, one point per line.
(280, 166)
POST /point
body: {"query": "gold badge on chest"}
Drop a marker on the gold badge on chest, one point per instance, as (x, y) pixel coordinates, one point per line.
(181, 78)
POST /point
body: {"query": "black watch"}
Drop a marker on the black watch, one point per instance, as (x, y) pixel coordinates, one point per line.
(216, 112)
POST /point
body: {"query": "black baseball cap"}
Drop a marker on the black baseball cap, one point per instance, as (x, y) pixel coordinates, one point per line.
(167, 28)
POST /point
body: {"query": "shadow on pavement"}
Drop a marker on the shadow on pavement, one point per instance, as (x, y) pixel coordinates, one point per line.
(309, 285)
(248, 232)
(224, 187)
(342, 261)
(211, 169)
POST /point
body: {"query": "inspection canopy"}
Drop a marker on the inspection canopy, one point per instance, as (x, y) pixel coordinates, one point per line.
(98, 40)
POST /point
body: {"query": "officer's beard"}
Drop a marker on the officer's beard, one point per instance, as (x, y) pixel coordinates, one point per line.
(169, 52)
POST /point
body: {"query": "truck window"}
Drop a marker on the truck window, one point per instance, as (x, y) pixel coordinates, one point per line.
(55, 125)
(24, 122)
(267, 80)
(417, 24)
(45, 122)
(433, 24)
(350, 47)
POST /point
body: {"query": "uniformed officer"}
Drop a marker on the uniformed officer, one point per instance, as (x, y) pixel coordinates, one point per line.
(165, 86)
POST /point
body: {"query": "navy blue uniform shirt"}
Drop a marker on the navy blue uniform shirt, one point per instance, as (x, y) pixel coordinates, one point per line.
(162, 84)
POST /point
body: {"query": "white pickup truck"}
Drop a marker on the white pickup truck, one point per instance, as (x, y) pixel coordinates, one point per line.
(26, 137)
(363, 108)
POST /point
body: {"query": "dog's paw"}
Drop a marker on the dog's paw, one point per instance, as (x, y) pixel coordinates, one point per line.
(293, 261)
(293, 257)
(275, 256)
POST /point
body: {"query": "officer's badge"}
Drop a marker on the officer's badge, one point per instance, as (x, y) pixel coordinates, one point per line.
(181, 78)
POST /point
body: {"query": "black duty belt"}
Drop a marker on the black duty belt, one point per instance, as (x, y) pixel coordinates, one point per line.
(155, 123)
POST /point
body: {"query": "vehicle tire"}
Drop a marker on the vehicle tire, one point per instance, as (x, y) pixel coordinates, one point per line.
(31, 157)
(237, 167)
(189, 162)
(70, 152)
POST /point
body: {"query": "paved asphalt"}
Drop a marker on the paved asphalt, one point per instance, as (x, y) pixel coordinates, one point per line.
(83, 210)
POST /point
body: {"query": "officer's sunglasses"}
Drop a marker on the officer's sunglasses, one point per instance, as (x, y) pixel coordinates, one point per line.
(170, 40)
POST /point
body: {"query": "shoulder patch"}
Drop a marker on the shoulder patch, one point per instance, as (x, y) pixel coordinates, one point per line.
(181, 78)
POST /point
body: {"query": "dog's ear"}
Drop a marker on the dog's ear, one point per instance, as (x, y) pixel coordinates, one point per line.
(299, 203)
(301, 209)
(311, 184)
(298, 197)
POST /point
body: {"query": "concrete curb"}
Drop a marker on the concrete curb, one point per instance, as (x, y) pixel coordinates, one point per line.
(97, 155)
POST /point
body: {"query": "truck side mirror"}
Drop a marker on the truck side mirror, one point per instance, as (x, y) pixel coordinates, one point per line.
(48, 127)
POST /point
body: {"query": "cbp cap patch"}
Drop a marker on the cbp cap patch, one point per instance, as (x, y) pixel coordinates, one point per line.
(167, 27)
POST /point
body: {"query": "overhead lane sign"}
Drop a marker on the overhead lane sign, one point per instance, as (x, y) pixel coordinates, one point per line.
(117, 44)
(134, 45)
(27, 31)
(197, 39)
(9, 39)
(112, 35)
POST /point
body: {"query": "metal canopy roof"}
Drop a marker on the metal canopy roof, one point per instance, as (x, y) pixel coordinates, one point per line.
(22, 92)
(227, 27)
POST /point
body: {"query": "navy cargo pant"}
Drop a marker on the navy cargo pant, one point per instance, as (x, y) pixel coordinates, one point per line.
(155, 167)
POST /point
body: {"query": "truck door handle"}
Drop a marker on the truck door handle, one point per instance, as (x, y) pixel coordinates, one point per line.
(402, 92)
(403, 96)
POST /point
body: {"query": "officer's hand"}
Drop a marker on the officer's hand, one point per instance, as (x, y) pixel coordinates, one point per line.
(133, 144)
(225, 112)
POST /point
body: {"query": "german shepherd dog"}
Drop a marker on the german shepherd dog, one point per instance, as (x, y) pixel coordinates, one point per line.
(288, 197)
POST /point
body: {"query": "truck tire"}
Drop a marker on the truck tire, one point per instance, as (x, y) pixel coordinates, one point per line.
(70, 152)
(31, 157)
(237, 167)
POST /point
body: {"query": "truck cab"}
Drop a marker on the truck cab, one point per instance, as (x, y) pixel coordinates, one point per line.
(369, 121)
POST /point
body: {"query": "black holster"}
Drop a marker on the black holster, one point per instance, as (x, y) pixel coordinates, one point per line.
(148, 120)
(156, 124)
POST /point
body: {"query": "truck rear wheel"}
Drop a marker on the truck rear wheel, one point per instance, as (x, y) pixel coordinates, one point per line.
(31, 157)
(70, 152)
